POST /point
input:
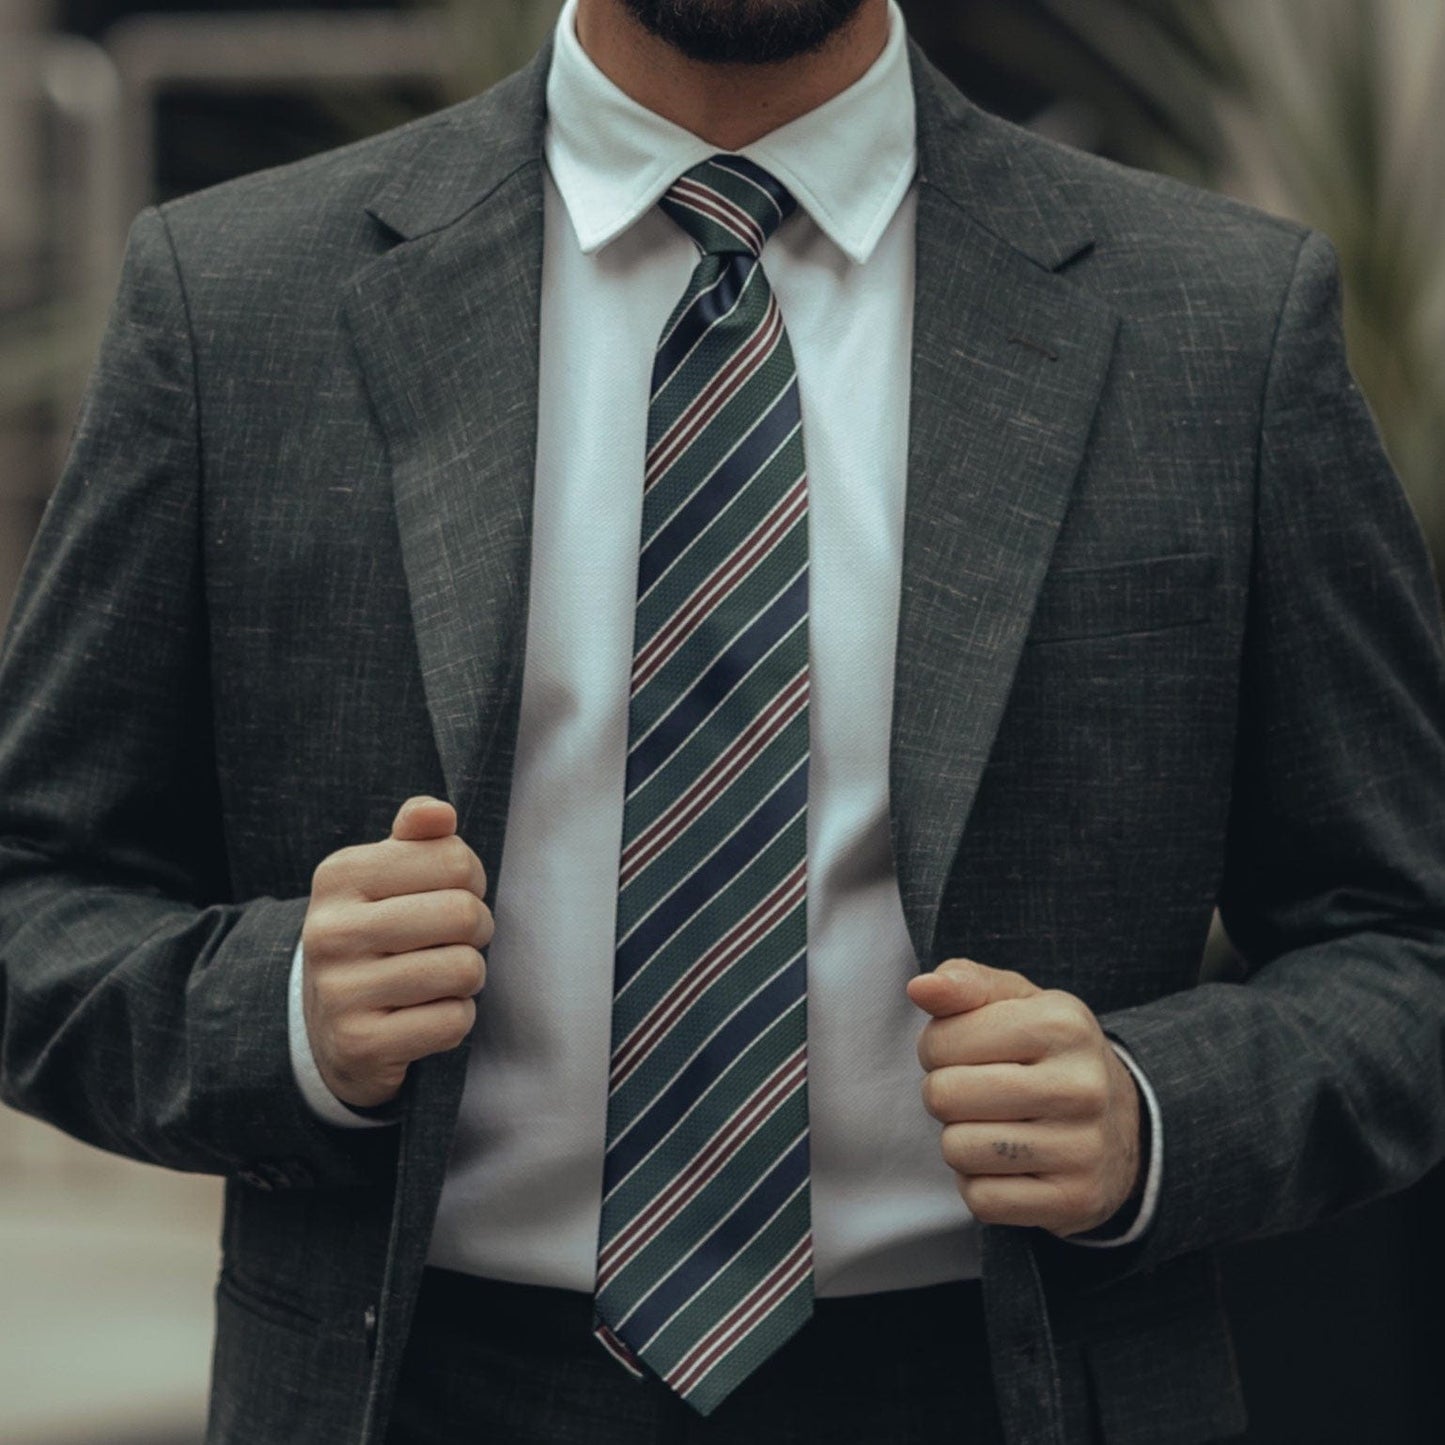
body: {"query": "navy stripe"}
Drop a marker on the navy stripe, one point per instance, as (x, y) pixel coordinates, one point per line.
(766, 821)
(782, 197)
(681, 720)
(766, 1007)
(732, 475)
(708, 309)
(772, 1192)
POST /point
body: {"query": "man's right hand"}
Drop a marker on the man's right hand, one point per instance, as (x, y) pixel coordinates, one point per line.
(391, 951)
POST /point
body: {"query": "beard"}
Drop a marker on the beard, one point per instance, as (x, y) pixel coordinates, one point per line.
(743, 32)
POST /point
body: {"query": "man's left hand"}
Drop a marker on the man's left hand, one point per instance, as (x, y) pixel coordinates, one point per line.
(1040, 1117)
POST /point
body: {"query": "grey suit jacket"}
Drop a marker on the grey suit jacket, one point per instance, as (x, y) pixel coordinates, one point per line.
(1169, 637)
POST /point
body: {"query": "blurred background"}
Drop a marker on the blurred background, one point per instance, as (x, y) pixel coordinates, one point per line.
(1328, 111)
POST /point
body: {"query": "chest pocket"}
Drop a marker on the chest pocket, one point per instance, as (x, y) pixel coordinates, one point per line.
(1151, 594)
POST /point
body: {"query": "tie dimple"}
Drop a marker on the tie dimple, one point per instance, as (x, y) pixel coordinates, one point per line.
(705, 1237)
(727, 204)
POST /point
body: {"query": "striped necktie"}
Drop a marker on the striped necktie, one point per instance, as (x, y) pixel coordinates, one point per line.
(705, 1261)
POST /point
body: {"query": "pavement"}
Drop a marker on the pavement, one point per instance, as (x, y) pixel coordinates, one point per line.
(106, 1273)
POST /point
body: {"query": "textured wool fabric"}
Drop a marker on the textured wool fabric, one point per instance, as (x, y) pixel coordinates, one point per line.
(1168, 636)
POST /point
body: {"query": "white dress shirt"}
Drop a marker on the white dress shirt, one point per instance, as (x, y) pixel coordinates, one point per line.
(522, 1195)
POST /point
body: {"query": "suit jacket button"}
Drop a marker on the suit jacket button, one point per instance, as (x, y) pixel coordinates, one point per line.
(369, 1322)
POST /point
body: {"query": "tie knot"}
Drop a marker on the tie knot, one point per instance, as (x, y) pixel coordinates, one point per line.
(728, 205)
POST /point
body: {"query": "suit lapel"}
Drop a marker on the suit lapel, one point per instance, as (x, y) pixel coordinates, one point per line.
(445, 327)
(1009, 360)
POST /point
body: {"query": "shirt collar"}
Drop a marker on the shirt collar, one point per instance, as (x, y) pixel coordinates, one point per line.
(848, 162)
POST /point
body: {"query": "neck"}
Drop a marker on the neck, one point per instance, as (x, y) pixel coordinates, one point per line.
(729, 106)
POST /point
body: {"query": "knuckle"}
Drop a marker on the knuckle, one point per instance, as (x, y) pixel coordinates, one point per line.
(456, 862)
(932, 1090)
(1092, 1093)
(981, 1197)
(487, 928)
(456, 915)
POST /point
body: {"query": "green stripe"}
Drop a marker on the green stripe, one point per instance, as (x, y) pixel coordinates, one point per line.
(742, 1076)
(716, 441)
(708, 924)
(720, 539)
(736, 1281)
(732, 715)
(761, 1150)
(707, 832)
(716, 634)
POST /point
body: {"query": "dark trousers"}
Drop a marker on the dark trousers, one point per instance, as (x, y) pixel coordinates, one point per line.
(492, 1363)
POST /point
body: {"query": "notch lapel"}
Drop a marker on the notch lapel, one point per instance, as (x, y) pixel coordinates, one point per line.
(1009, 361)
(445, 329)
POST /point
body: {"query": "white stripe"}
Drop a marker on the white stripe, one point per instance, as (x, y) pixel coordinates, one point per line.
(687, 1113)
(688, 1376)
(635, 743)
(761, 190)
(751, 1116)
(660, 387)
(732, 501)
(742, 1248)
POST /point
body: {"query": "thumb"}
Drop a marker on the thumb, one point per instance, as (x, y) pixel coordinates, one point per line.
(424, 817)
(959, 985)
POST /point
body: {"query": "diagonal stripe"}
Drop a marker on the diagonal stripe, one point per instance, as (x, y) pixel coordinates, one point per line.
(744, 1123)
(748, 359)
(668, 539)
(704, 1263)
(710, 1350)
(645, 846)
(718, 1249)
(707, 1065)
(714, 589)
(698, 320)
(731, 666)
(768, 819)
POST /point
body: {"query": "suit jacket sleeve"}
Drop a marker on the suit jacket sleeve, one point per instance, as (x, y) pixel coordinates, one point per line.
(142, 1008)
(1315, 1083)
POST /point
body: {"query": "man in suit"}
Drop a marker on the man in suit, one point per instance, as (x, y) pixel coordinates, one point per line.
(1106, 608)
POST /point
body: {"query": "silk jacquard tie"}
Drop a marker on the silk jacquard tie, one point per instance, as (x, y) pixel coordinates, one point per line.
(705, 1246)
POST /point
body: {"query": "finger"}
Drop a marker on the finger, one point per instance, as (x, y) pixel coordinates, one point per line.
(422, 817)
(1013, 1030)
(392, 868)
(1023, 1200)
(429, 1028)
(959, 985)
(1014, 1148)
(374, 930)
(991, 1093)
(407, 979)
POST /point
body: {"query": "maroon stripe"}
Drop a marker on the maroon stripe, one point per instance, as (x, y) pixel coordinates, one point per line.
(690, 1370)
(719, 208)
(705, 1165)
(641, 851)
(741, 937)
(728, 575)
(716, 394)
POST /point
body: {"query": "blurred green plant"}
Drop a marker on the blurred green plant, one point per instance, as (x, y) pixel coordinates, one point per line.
(1327, 111)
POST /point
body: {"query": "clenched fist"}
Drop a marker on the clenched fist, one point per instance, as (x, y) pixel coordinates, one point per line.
(391, 951)
(1040, 1117)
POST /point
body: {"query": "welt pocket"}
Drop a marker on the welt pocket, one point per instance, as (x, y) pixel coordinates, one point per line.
(266, 1303)
(1149, 594)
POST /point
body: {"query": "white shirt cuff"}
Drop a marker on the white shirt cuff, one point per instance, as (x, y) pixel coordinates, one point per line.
(313, 1088)
(1150, 1202)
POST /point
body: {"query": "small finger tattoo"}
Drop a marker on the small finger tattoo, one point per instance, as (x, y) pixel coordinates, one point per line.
(1011, 1149)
